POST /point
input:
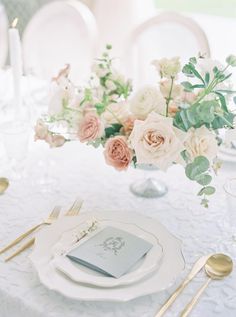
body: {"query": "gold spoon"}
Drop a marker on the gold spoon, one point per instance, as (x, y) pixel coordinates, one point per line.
(4, 183)
(217, 267)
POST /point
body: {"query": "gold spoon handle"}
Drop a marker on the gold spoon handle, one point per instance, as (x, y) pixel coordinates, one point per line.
(20, 238)
(188, 308)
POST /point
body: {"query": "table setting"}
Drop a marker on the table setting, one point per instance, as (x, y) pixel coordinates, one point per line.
(118, 201)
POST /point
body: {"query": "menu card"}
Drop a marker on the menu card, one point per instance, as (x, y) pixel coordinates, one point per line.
(111, 251)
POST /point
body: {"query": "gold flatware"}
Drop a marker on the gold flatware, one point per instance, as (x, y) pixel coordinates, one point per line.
(52, 217)
(4, 183)
(73, 211)
(217, 267)
(75, 208)
(196, 268)
(21, 249)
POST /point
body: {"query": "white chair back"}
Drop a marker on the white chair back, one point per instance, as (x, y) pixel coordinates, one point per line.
(3, 36)
(165, 35)
(61, 32)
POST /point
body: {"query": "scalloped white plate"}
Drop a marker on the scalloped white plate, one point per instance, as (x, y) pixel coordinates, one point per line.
(172, 263)
(81, 274)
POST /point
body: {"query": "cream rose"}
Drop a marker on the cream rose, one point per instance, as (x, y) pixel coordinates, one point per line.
(116, 112)
(168, 68)
(90, 128)
(117, 153)
(146, 100)
(201, 142)
(155, 141)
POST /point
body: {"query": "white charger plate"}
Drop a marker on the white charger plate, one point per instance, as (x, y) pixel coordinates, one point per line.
(81, 274)
(172, 263)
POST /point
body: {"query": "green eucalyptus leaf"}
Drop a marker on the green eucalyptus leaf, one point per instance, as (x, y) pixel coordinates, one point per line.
(198, 86)
(185, 120)
(209, 190)
(202, 162)
(187, 86)
(187, 71)
(226, 77)
(192, 116)
(207, 78)
(199, 166)
(215, 70)
(206, 111)
(231, 60)
(222, 101)
(203, 179)
(196, 73)
(117, 127)
(193, 60)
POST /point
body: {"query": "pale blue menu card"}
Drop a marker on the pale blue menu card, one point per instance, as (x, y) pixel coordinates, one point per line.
(111, 251)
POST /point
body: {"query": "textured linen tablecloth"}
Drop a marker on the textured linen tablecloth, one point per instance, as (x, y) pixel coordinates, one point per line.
(81, 170)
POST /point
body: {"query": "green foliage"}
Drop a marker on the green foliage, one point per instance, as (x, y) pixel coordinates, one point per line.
(209, 113)
(198, 171)
(231, 60)
(199, 166)
(113, 130)
(214, 114)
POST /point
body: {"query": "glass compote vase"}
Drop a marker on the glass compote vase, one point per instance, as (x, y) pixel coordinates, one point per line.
(148, 186)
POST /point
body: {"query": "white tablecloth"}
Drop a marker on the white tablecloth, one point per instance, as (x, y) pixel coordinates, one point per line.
(80, 170)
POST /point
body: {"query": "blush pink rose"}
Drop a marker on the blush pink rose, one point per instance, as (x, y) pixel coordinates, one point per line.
(91, 128)
(117, 153)
(41, 130)
(128, 125)
(55, 140)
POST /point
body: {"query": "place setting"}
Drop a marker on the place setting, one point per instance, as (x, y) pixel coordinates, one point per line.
(109, 256)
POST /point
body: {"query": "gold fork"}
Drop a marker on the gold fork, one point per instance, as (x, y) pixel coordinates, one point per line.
(52, 217)
(75, 208)
(73, 211)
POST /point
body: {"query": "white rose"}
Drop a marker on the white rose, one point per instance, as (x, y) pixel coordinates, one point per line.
(167, 68)
(156, 141)
(146, 100)
(201, 142)
(116, 113)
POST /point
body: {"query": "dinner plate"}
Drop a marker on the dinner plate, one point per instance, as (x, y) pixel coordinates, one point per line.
(82, 274)
(172, 263)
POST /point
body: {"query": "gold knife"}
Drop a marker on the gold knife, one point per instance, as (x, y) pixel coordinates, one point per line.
(21, 249)
(196, 268)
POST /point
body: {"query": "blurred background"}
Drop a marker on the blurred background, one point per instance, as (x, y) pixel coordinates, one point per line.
(26, 8)
(56, 32)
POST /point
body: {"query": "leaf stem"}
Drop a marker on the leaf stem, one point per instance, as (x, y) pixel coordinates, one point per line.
(168, 99)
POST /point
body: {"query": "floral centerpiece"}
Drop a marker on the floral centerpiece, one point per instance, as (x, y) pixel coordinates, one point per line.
(169, 123)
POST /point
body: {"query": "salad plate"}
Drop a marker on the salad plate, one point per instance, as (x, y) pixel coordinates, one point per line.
(82, 274)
